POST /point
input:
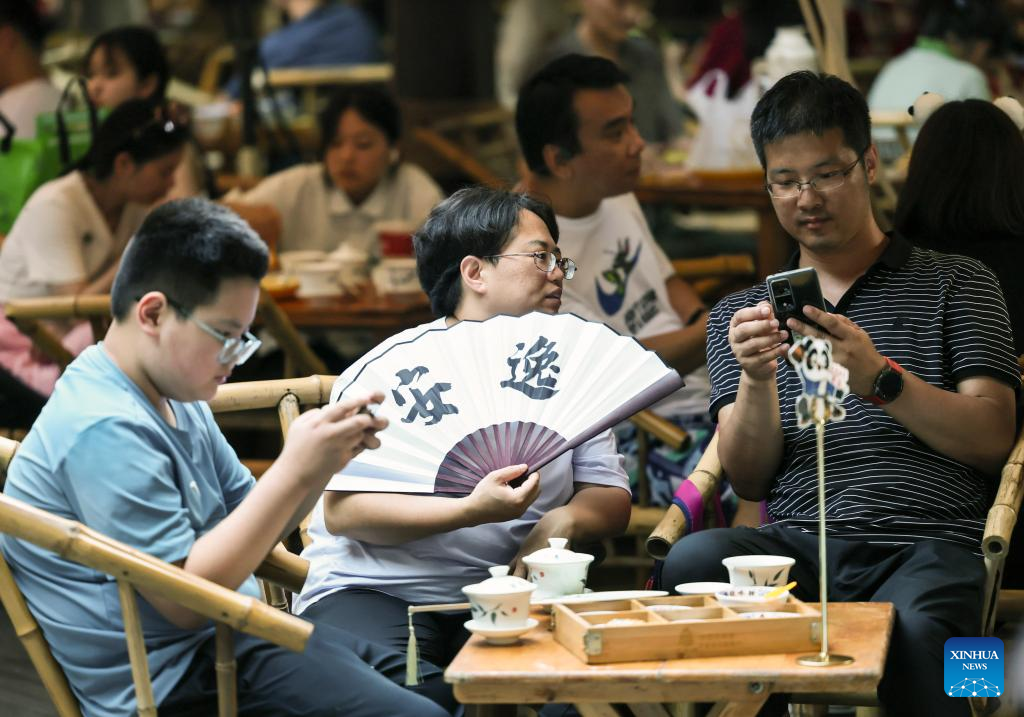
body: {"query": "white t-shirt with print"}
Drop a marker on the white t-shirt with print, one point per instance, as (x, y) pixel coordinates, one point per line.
(620, 280)
(61, 237)
(317, 215)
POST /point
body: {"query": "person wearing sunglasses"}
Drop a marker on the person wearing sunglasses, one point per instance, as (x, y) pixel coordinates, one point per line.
(480, 253)
(69, 236)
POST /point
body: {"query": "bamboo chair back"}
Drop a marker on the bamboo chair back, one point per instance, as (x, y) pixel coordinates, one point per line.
(288, 396)
(73, 541)
(29, 316)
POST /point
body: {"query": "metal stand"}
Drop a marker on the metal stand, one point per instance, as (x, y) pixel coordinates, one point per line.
(823, 658)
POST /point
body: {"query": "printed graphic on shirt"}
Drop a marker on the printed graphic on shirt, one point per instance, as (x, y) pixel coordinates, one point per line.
(618, 276)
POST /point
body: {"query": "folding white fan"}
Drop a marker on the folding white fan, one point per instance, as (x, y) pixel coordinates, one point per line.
(481, 395)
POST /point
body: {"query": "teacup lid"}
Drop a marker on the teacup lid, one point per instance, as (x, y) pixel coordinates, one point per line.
(500, 583)
(557, 554)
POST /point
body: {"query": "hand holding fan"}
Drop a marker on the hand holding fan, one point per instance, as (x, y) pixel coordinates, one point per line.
(481, 395)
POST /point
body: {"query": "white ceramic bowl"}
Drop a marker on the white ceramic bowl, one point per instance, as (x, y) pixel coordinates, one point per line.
(502, 602)
(753, 595)
(321, 278)
(556, 570)
(770, 570)
(290, 260)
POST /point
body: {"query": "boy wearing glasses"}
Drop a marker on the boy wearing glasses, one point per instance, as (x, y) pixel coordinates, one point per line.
(481, 252)
(128, 446)
(910, 471)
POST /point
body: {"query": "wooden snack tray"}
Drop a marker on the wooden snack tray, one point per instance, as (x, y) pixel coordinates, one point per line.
(705, 629)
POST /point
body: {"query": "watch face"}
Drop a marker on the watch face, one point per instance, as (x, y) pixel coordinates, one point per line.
(889, 384)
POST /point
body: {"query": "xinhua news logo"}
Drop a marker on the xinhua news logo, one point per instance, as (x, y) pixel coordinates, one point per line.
(973, 667)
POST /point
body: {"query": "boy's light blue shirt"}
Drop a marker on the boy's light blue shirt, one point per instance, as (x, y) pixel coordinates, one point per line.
(100, 453)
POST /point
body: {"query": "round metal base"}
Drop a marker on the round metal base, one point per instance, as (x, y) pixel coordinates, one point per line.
(817, 660)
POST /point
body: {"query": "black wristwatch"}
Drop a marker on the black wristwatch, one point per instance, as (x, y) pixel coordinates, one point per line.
(888, 383)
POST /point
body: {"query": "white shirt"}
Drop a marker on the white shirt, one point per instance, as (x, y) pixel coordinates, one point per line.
(21, 104)
(318, 215)
(436, 568)
(61, 237)
(620, 280)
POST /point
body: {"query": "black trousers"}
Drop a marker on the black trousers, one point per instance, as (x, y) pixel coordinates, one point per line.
(337, 674)
(384, 619)
(936, 588)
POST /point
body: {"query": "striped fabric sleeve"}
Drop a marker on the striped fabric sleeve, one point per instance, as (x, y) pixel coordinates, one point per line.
(723, 368)
(977, 327)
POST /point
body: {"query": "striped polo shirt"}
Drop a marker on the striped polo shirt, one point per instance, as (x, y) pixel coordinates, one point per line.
(940, 316)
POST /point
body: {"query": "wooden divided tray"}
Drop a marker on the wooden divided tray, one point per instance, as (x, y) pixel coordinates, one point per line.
(681, 626)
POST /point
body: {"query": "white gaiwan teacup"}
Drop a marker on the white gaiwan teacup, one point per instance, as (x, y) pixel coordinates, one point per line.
(500, 601)
(758, 569)
(558, 571)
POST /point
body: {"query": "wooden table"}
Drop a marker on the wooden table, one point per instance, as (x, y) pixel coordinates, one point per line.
(539, 670)
(741, 191)
(386, 314)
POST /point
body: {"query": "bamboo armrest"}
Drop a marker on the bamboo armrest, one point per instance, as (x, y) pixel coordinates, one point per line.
(309, 390)
(705, 477)
(1002, 516)
(81, 306)
(76, 542)
(284, 568)
(665, 431)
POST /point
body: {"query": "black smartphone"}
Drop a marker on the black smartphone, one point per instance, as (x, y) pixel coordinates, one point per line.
(790, 291)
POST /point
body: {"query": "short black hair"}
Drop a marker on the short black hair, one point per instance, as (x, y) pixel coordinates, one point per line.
(963, 19)
(144, 130)
(475, 221)
(24, 17)
(809, 102)
(374, 104)
(545, 113)
(142, 49)
(185, 249)
(965, 181)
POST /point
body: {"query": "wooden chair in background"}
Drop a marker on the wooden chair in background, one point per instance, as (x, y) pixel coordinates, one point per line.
(481, 144)
(133, 570)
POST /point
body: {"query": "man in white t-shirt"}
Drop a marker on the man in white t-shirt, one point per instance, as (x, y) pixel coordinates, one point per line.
(575, 125)
(25, 90)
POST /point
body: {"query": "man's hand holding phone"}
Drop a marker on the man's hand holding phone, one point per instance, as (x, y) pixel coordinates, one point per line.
(757, 341)
(851, 346)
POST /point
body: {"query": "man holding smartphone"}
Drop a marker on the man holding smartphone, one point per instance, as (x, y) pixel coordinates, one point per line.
(911, 471)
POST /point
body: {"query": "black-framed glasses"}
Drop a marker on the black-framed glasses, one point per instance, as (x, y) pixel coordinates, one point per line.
(826, 182)
(546, 261)
(234, 349)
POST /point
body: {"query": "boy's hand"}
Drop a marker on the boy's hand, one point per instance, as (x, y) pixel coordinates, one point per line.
(322, 440)
(493, 500)
(757, 341)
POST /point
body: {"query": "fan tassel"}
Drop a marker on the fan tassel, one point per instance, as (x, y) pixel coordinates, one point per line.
(412, 677)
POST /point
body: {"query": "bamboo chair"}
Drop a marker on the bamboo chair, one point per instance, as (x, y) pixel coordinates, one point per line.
(30, 315)
(135, 569)
(1002, 518)
(481, 144)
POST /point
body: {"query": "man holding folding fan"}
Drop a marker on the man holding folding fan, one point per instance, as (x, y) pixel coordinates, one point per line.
(481, 253)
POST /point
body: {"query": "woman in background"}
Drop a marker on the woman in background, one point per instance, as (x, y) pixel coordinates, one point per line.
(129, 63)
(69, 236)
(964, 194)
(359, 181)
